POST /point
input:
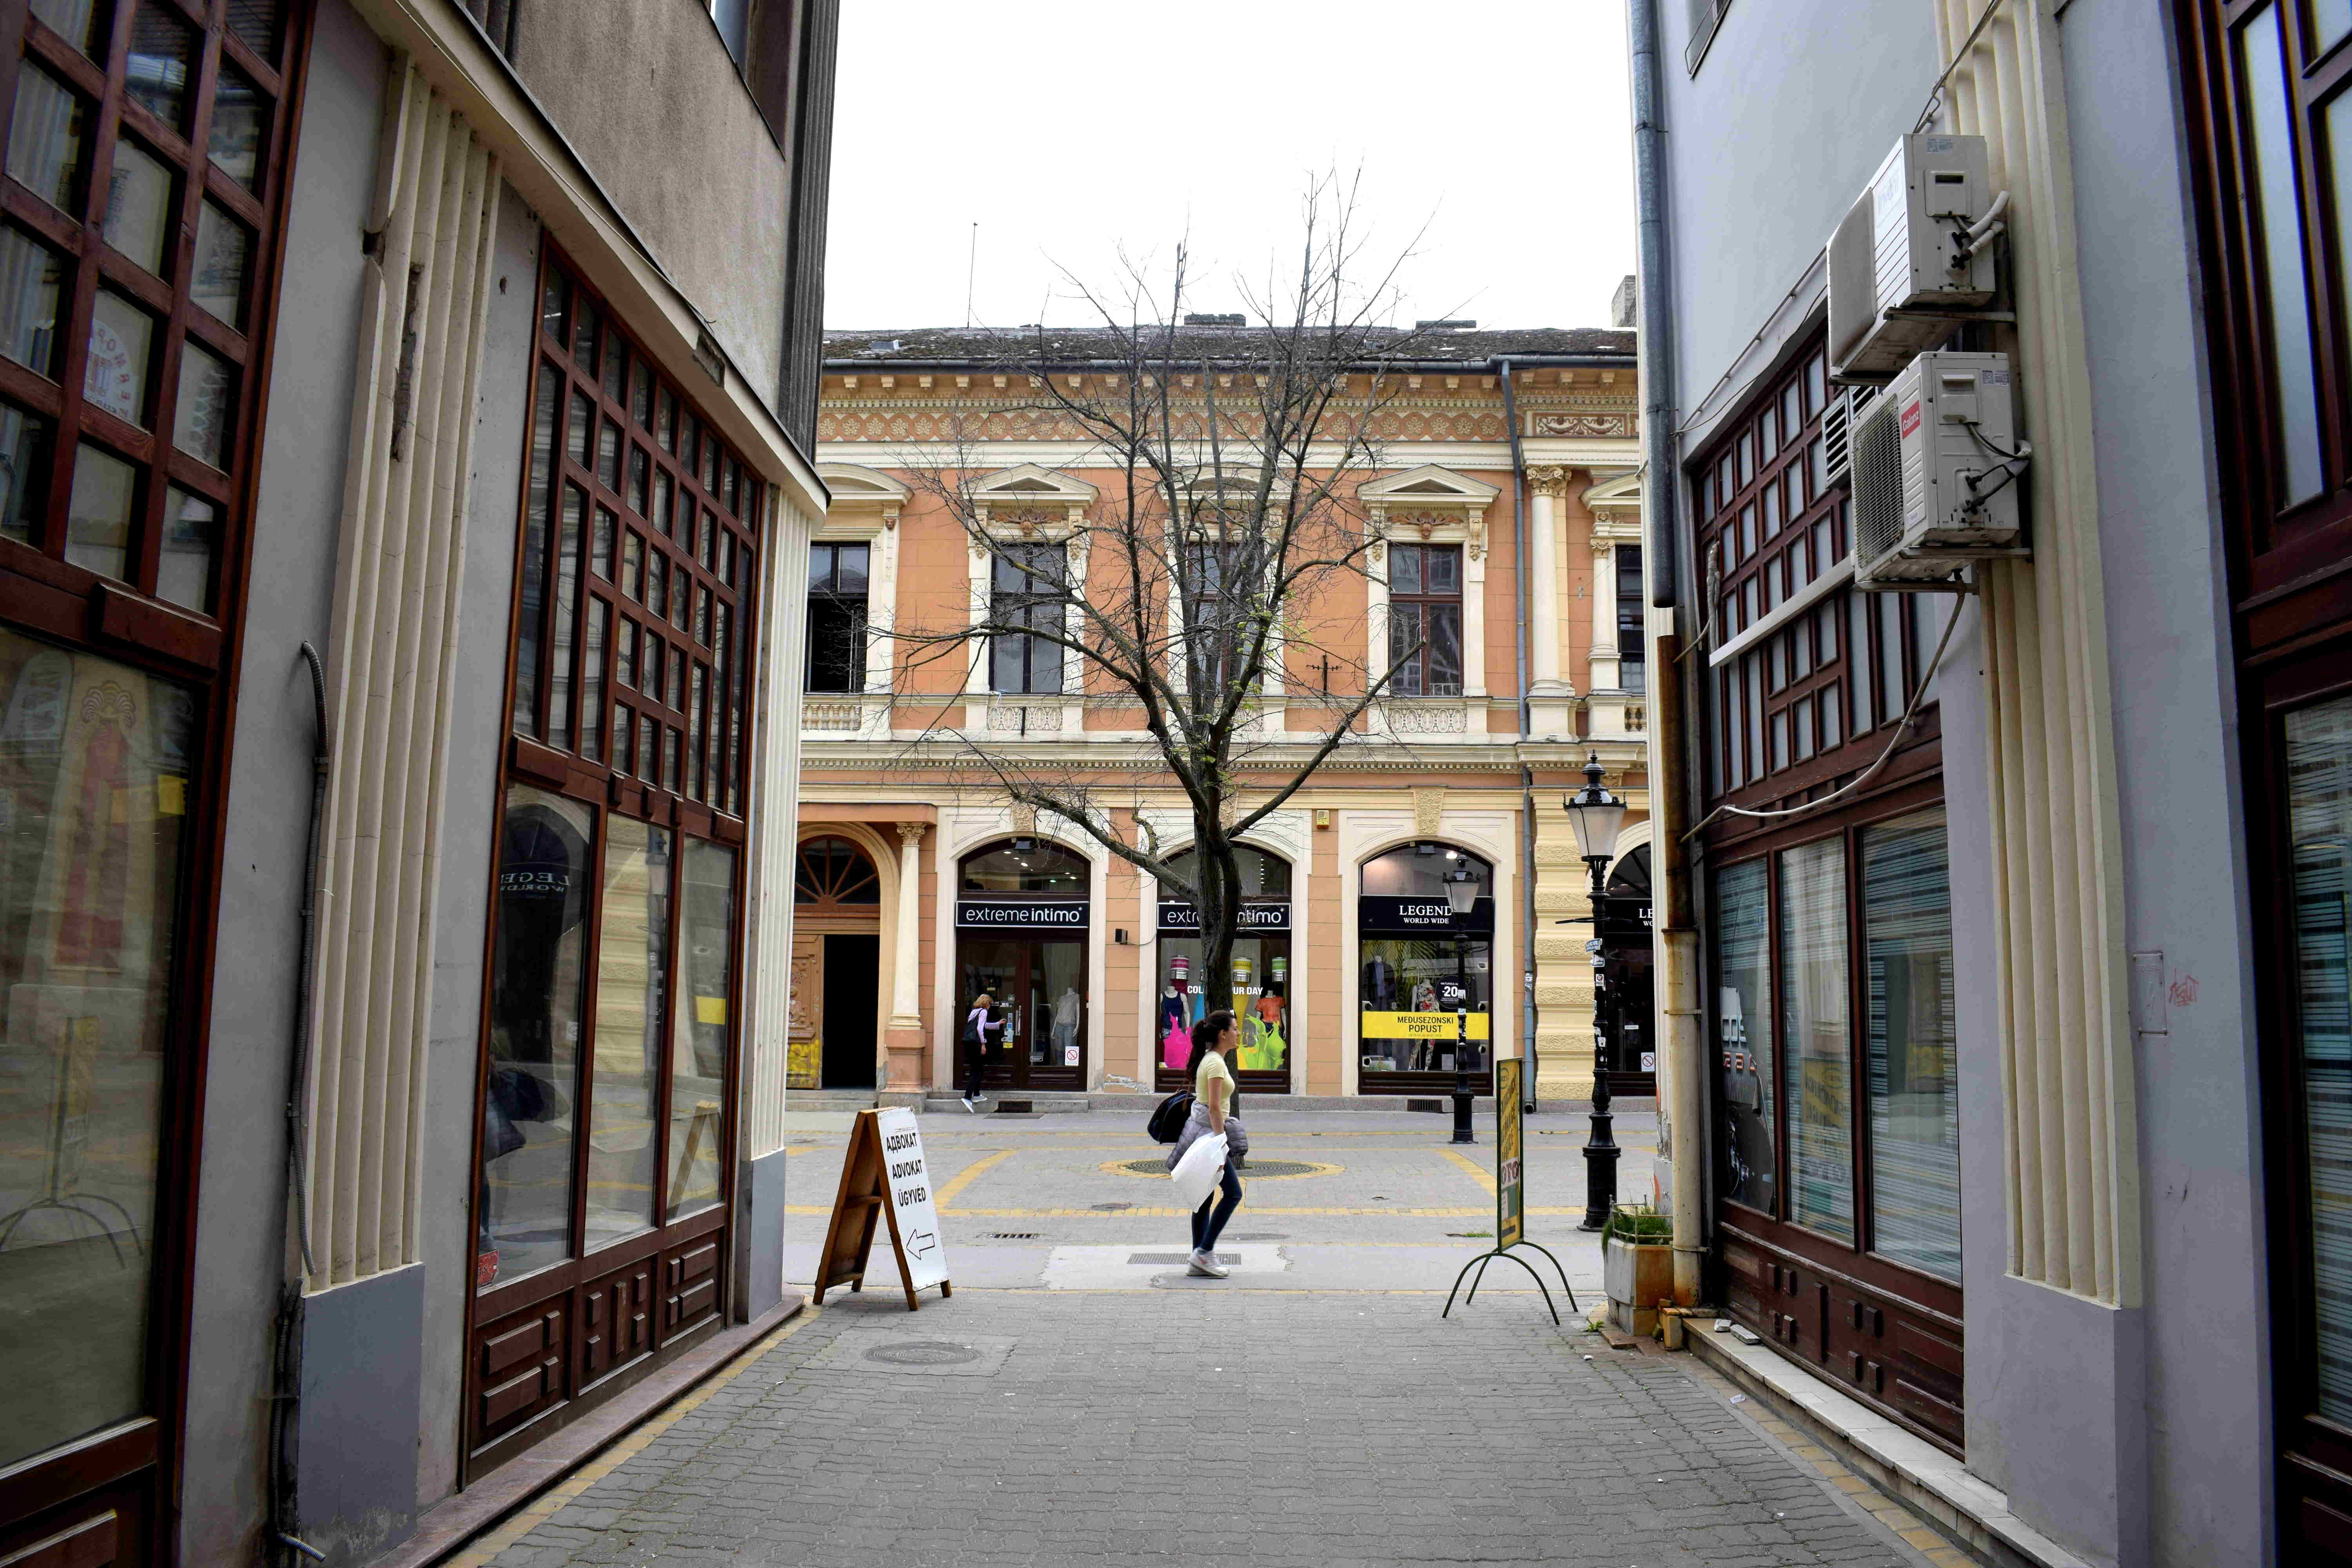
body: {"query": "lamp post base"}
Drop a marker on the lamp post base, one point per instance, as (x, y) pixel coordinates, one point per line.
(1462, 1102)
(1600, 1178)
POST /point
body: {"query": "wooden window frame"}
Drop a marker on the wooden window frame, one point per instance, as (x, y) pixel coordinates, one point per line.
(700, 707)
(829, 591)
(1421, 665)
(1029, 603)
(136, 1467)
(668, 457)
(1804, 674)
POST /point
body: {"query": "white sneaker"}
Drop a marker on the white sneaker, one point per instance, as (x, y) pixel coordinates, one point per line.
(968, 1105)
(1206, 1263)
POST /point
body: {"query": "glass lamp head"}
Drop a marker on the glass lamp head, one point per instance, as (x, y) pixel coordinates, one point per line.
(1595, 814)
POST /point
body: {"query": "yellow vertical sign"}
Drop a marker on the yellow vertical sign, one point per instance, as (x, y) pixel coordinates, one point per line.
(1510, 1200)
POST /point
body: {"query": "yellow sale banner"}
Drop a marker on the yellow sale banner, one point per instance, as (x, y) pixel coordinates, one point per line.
(1420, 1026)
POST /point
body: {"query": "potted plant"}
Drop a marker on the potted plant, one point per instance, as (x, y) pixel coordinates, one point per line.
(1637, 1265)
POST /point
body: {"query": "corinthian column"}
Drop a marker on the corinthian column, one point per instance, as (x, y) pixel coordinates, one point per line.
(1548, 694)
(903, 1037)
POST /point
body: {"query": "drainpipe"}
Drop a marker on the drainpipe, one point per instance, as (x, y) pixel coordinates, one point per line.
(1681, 1136)
(1527, 776)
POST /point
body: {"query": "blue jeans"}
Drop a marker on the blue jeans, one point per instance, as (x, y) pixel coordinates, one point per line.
(1209, 1220)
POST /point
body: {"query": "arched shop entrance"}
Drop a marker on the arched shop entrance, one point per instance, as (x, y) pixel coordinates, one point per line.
(1418, 966)
(1257, 989)
(837, 965)
(1621, 1000)
(1021, 920)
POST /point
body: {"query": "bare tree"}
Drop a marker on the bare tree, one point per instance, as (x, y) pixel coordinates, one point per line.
(1210, 602)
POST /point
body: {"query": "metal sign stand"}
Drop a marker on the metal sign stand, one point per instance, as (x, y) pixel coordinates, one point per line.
(1510, 1196)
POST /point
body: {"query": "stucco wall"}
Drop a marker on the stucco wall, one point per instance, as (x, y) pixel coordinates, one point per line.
(1795, 106)
(240, 1237)
(683, 152)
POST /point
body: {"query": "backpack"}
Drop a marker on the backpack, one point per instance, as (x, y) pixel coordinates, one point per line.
(1167, 1123)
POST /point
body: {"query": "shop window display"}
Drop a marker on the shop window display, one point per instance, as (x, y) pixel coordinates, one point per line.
(1426, 979)
(1256, 986)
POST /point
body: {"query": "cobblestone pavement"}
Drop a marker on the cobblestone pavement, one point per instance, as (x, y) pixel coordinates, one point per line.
(1082, 1401)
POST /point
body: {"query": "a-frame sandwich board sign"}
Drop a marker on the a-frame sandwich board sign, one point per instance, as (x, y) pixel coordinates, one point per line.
(885, 1179)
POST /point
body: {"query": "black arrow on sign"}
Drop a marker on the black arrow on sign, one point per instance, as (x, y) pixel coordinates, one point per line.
(922, 1241)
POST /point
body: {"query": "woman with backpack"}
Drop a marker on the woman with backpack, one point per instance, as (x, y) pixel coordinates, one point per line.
(975, 1044)
(1215, 1092)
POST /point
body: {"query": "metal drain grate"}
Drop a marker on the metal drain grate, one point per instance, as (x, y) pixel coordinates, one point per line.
(1255, 1168)
(1110, 1208)
(1015, 1235)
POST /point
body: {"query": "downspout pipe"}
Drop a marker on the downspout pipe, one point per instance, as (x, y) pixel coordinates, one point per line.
(1682, 1126)
(1527, 776)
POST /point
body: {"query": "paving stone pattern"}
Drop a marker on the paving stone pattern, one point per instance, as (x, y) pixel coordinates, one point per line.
(1152, 1424)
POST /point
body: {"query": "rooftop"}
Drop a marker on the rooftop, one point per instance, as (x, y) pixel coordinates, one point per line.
(1076, 346)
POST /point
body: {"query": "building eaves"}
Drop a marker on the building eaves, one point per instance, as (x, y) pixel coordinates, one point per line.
(1029, 348)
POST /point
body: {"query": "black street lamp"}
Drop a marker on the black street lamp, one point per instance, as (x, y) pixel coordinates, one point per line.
(1461, 897)
(1596, 815)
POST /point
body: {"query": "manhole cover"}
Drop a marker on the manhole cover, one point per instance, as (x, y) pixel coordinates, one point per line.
(1255, 1168)
(923, 1352)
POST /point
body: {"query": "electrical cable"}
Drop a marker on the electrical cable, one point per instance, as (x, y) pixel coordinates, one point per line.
(1902, 728)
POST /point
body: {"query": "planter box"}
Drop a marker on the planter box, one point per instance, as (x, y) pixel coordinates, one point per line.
(1637, 1278)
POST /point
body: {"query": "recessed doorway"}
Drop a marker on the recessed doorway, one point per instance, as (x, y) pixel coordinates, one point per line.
(853, 973)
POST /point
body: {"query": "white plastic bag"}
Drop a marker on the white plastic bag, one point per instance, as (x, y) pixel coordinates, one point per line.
(1197, 1173)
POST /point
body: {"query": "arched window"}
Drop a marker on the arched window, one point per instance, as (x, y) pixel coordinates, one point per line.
(1264, 875)
(1026, 865)
(1424, 991)
(1629, 878)
(835, 873)
(1256, 986)
(1419, 871)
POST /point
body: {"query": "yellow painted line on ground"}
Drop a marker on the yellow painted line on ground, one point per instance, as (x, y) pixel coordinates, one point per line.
(1477, 1172)
(557, 1498)
(967, 1175)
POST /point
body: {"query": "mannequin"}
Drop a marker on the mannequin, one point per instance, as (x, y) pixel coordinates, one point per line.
(1175, 1019)
(1067, 1009)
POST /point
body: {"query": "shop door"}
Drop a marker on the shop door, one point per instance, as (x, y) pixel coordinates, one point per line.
(1040, 990)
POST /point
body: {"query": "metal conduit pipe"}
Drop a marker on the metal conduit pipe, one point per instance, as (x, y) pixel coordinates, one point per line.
(1527, 776)
(1682, 1121)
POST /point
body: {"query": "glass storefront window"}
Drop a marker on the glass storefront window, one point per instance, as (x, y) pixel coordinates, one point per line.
(697, 1092)
(1743, 1034)
(631, 968)
(1418, 966)
(1257, 986)
(2319, 818)
(538, 975)
(95, 760)
(1914, 1054)
(1814, 1024)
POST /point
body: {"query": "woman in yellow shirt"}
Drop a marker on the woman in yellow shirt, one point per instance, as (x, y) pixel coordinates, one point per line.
(1213, 1088)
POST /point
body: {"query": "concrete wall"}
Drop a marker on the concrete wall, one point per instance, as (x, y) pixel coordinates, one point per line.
(1793, 109)
(478, 728)
(2205, 1405)
(684, 153)
(240, 1233)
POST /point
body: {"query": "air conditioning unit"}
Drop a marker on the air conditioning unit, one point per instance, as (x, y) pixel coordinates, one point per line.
(1936, 468)
(1913, 257)
(1845, 409)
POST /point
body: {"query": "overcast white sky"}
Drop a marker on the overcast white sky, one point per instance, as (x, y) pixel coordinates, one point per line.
(1069, 128)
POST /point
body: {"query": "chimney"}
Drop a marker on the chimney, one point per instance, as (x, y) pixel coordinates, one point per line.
(1620, 304)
